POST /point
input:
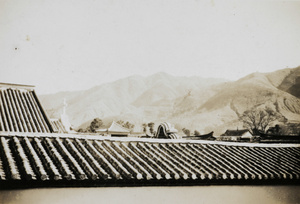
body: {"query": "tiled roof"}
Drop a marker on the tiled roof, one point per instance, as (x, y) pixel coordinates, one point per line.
(57, 126)
(31, 155)
(77, 160)
(21, 111)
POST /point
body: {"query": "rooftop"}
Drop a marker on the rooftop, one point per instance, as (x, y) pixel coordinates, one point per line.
(21, 111)
(32, 155)
(86, 160)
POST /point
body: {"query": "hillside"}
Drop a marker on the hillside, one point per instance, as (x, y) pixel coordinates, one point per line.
(191, 102)
(136, 98)
(228, 101)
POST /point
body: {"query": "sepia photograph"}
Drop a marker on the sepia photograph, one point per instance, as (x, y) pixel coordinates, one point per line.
(149, 101)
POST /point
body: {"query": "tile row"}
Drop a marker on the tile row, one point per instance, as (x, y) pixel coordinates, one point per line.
(20, 111)
(60, 158)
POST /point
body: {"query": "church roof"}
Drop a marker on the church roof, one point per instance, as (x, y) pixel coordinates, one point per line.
(21, 111)
(74, 160)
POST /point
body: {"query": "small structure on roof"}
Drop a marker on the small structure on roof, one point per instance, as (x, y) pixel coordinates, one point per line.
(63, 124)
(65, 118)
(167, 131)
(115, 130)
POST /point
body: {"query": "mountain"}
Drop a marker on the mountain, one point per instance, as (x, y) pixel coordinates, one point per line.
(188, 102)
(137, 99)
(223, 104)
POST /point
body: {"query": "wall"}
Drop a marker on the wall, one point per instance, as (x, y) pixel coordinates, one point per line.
(174, 195)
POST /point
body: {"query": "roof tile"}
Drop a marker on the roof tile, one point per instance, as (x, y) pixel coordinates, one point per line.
(21, 111)
(61, 159)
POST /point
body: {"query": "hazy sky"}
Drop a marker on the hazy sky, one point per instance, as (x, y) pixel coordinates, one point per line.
(70, 45)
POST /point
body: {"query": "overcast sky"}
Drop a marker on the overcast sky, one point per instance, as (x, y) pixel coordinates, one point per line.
(71, 45)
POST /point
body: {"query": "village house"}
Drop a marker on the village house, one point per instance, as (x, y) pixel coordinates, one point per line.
(115, 130)
(236, 135)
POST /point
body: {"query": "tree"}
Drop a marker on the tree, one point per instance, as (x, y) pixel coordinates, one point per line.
(290, 129)
(259, 119)
(144, 127)
(95, 124)
(187, 132)
(81, 130)
(196, 133)
(151, 126)
(121, 122)
(126, 124)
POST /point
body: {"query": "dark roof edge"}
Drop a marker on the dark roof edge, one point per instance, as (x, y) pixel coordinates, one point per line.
(20, 184)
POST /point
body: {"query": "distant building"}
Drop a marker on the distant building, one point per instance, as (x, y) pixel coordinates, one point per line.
(115, 130)
(242, 133)
(236, 135)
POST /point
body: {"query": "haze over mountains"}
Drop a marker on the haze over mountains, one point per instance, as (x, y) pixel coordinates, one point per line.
(195, 103)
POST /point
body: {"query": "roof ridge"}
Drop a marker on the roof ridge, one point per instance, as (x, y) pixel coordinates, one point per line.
(149, 140)
(93, 162)
(15, 85)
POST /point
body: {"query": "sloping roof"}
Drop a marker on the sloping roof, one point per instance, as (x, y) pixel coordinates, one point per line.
(57, 126)
(235, 132)
(117, 128)
(21, 111)
(66, 160)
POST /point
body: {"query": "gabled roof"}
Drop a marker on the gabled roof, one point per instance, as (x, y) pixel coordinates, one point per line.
(235, 132)
(117, 128)
(74, 160)
(21, 111)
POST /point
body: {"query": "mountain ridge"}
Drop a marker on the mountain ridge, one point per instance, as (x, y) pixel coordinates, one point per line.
(190, 102)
